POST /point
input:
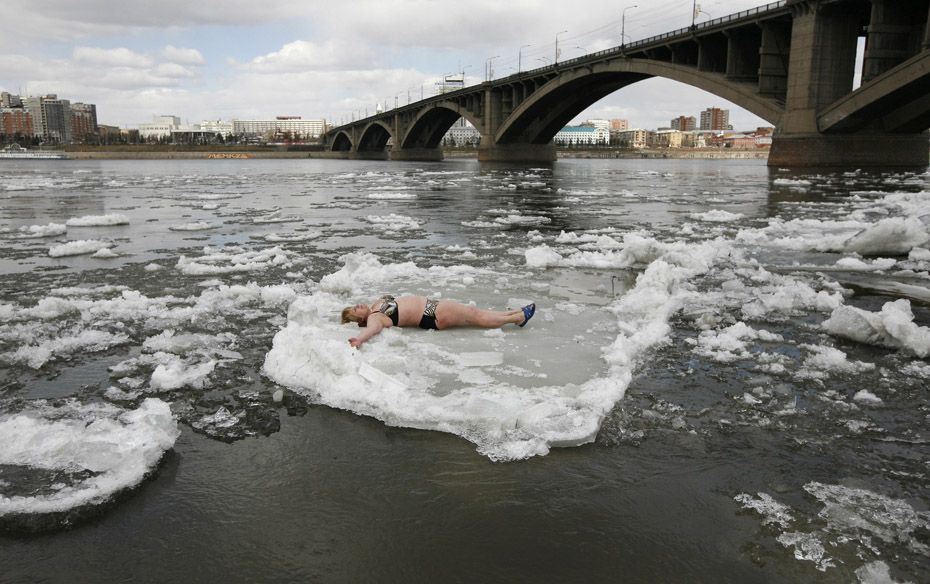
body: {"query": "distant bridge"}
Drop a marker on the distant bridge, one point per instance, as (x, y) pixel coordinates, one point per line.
(792, 63)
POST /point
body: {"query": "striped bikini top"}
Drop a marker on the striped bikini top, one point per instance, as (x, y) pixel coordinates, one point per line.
(389, 308)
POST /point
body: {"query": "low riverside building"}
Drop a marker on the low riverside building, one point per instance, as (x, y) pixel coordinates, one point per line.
(667, 139)
(635, 138)
(295, 126)
(582, 135)
(160, 127)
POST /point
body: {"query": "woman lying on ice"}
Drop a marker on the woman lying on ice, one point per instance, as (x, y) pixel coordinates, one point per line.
(427, 313)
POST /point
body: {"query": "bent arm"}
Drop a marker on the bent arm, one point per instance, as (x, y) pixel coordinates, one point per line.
(376, 322)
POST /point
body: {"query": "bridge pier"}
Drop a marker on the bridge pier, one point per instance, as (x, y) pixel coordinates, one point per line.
(851, 151)
(516, 152)
(368, 155)
(417, 154)
(823, 54)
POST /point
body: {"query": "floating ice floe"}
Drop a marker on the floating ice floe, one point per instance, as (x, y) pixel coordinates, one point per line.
(87, 341)
(98, 220)
(893, 236)
(849, 515)
(111, 449)
(38, 231)
(392, 196)
(78, 247)
(195, 226)
(292, 237)
(229, 260)
(892, 327)
(505, 421)
(176, 373)
(729, 344)
(523, 220)
(393, 222)
(857, 265)
(716, 216)
(793, 183)
(277, 217)
(104, 253)
(822, 361)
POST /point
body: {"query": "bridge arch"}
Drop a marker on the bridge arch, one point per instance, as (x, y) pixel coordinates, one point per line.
(341, 142)
(546, 111)
(432, 123)
(375, 137)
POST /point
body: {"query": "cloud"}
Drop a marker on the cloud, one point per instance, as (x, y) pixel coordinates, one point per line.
(305, 55)
(173, 71)
(319, 58)
(121, 57)
(182, 56)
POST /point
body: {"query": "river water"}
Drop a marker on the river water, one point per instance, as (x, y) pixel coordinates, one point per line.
(725, 381)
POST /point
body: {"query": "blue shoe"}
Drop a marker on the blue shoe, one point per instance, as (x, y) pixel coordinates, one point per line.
(528, 311)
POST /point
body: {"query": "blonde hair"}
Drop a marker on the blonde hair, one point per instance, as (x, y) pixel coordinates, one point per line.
(347, 316)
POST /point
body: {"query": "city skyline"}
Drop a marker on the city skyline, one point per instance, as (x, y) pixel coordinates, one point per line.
(225, 60)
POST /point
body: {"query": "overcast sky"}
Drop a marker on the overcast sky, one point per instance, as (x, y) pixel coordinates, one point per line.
(224, 59)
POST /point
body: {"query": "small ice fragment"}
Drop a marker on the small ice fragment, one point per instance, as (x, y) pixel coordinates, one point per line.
(98, 220)
(278, 396)
(380, 378)
(867, 397)
(481, 359)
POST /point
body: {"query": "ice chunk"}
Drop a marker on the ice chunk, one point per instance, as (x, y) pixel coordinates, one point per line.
(105, 253)
(876, 572)
(859, 265)
(195, 226)
(480, 359)
(233, 260)
(867, 397)
(35, 231)
(892, 236)
(35, 356)
(78, 247)
(118, 447)
(380, 378)
(717, 216)
(771, 510)
(860, 511)
(893, 327)
(393, 222)
(177, 373)
(98, 220)
(729, 344)
(807, 546)
(542, 256)
(823, 361)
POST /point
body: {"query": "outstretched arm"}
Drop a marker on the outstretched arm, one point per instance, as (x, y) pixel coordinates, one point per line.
(376, 322)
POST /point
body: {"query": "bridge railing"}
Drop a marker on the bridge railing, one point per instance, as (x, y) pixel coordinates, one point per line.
(675, 33)
(613, 50)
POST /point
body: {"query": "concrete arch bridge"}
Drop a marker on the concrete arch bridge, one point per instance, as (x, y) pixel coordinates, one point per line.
(792, 63)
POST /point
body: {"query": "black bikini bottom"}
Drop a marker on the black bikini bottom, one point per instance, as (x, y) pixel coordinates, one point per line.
(428, 320)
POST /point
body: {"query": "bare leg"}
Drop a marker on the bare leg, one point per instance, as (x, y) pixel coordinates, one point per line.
(451, 314)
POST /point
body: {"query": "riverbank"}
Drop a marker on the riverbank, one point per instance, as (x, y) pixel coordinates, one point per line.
(683, 154)
(158, 152)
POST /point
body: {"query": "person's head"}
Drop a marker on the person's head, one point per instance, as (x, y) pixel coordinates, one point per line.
(358, 314)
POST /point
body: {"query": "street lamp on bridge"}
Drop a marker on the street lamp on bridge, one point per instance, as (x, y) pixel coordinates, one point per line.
(695, 11)
(556, 60)
(623, 24)
(487, 66)
(520, 56)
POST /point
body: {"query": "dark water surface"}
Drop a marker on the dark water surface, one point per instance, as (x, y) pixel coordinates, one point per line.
(671, 489)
